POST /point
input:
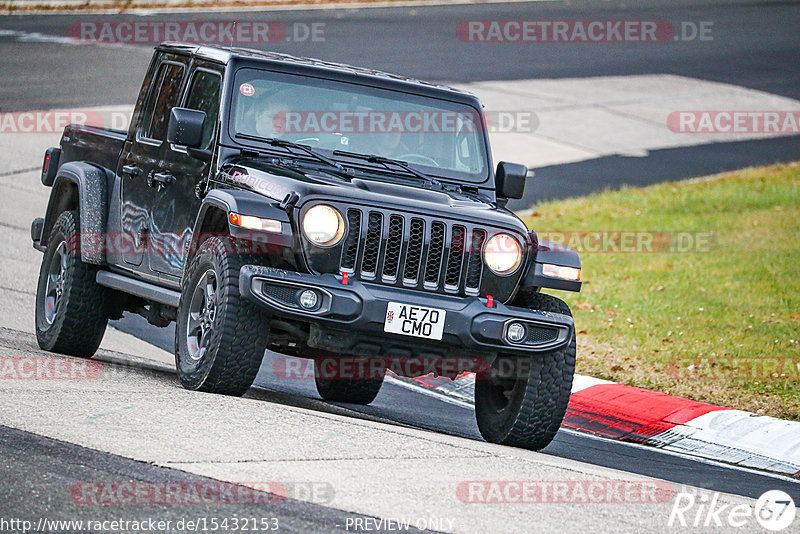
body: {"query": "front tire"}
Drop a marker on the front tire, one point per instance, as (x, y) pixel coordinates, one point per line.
(521, 401)
(71, 307)
(220, 338)
(360, 388)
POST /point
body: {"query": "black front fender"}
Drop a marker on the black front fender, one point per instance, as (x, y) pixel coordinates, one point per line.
(555, 254)
(245, 203)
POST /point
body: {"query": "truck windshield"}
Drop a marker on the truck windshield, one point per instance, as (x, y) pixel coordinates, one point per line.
(439, 137)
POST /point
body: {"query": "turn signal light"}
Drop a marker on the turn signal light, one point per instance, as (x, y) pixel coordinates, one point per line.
(255, 223)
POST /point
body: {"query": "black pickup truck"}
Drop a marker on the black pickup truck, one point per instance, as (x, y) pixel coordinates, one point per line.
(264, 201)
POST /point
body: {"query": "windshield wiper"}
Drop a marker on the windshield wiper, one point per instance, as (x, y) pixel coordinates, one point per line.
(386, 162)
(283, 143)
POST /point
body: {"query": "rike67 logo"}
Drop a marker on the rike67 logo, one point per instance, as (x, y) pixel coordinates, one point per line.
(775, 510)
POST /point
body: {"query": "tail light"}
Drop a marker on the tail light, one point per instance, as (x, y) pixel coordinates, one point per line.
(50, 166)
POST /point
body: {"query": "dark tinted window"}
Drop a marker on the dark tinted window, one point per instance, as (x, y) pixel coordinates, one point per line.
(204, 96)
(164, 97)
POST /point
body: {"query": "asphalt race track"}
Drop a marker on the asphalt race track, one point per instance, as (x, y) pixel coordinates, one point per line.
(402, 455)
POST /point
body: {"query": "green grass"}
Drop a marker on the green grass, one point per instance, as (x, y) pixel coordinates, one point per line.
(720, 325)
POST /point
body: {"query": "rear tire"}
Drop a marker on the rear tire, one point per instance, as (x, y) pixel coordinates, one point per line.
(358, 389)
(521, 401)
(220, 338)
(71, 307)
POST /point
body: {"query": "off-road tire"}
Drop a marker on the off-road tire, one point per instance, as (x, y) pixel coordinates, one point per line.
(239, 332)
(538, 398)
(354, 390)
(79, 316)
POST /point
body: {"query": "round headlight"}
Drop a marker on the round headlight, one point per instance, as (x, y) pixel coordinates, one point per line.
(323, 225)
(502, 254)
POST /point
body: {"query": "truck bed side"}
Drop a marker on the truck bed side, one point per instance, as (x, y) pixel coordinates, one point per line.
(101, 146)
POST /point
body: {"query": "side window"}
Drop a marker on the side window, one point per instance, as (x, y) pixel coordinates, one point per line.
(204, 96)
(163, 97)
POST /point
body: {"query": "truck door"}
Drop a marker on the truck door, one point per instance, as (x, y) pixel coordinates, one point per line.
(142, 156)
(175, 204)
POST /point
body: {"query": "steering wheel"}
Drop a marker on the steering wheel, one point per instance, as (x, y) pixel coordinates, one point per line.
(419, 158)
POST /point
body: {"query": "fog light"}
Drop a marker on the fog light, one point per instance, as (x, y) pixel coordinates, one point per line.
(516, 332)
(308, 299)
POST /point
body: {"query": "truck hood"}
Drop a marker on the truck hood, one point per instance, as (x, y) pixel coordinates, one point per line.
(275, 182)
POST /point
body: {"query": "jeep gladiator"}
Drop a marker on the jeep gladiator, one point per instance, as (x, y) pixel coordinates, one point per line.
(263, 201)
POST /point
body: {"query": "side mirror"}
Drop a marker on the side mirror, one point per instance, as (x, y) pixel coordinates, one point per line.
(510, 179)
(186, 127)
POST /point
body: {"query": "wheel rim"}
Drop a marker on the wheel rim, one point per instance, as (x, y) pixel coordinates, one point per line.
(54, 290)
(202, 313)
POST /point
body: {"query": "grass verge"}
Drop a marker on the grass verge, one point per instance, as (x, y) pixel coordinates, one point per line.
(718, 322)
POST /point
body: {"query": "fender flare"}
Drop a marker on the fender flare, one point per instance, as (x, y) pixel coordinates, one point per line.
(245, 203)
(556, 254)
(92, 187)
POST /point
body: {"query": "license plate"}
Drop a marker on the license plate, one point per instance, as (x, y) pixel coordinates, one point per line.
(411, 320)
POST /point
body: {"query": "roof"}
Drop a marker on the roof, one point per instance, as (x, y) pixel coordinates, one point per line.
(226, 54)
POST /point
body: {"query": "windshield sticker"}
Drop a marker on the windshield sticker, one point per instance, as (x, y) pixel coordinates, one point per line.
(247, 89)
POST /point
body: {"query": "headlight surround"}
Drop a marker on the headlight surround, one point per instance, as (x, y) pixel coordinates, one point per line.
(502, 254)
(323, 225)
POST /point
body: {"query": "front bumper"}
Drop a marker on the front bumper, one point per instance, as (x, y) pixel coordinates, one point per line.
(360, 310)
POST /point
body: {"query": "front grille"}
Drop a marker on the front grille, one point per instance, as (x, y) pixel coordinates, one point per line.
(540, 334)
(372, 247)
(414, 252)
(394, 246)
(284, 294)
(350, 250)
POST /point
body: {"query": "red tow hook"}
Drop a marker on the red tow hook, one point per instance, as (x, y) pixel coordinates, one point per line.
(489, 301)
(345, 279)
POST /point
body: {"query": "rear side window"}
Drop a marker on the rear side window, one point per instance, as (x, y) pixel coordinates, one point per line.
(204, 96)
(163, 97)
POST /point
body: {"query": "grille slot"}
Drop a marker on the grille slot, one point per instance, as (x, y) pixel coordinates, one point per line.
(372, 246)
(475, 262)
(416, 239)
(350, 249)
(455, 260)
(394, 245)
(435, 251)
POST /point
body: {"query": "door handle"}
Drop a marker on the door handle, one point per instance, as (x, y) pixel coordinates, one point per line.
(132, 170)
(160, 179)
(163, 178)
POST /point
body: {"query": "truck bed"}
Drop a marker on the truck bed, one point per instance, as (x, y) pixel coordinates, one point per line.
(101, 146)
